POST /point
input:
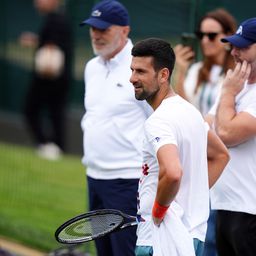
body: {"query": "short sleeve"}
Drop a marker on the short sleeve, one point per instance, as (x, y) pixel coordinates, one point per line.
(251, 109)
(159, 133)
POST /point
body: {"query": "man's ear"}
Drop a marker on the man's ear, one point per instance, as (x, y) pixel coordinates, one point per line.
(126, 30)
(164, 75)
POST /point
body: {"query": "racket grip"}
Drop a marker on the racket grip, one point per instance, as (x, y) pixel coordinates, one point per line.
(159, 211)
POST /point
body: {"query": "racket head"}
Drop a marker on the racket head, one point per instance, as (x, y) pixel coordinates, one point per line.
(89, 226)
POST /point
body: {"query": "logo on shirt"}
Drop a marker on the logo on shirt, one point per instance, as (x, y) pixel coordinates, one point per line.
(145, 169)
(119, 85)
(157, 139)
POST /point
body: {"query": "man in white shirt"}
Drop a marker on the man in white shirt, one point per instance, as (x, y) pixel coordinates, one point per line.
(174, 182)
(234, 119)
(113, 123)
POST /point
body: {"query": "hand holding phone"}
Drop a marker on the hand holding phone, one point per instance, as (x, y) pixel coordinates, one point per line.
(189, 39)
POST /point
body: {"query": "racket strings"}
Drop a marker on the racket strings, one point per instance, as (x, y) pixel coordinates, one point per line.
(87, 228)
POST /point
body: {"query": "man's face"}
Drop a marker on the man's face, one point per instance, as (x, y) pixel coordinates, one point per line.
(107, 43)
(144, 78)
(248, 54)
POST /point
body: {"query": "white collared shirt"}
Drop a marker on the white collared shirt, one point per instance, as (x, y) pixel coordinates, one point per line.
(114, 119)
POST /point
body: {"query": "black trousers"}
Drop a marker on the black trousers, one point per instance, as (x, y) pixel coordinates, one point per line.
(45, 110)
(117, 194)
(236, 234)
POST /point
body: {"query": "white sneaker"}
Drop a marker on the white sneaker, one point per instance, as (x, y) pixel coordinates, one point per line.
(49, 151)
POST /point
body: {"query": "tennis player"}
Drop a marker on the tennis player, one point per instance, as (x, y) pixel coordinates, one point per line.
(176, 157)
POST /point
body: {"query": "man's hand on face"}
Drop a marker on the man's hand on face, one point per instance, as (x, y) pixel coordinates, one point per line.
(235, 79)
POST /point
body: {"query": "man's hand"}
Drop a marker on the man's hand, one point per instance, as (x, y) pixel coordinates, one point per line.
(235, 79)
(158, 213)
(231, 126)
(157, 221)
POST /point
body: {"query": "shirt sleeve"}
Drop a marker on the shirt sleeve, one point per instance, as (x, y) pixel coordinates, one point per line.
(251, 109)
(159, 133)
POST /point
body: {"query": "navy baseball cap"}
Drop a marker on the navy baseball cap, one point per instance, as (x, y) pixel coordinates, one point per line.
(244, 36)
(107, 13)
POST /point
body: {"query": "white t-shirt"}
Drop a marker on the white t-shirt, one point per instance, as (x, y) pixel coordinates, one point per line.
(176, 122)
(207, 93)
(235, 189)
(114, 119)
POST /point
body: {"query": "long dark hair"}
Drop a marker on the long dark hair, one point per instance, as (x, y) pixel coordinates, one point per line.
(228, 24)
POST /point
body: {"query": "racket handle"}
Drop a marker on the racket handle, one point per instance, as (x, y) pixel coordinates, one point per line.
(130, 224)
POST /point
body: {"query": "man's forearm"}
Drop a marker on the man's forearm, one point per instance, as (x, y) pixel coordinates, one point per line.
(224, 116)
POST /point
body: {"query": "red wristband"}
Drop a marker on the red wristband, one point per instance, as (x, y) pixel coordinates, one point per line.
(158, 210)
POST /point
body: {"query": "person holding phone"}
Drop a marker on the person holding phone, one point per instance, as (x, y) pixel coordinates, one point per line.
(199, 83)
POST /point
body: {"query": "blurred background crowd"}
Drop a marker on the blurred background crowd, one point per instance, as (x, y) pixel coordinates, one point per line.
(43, 187)
(162, 18)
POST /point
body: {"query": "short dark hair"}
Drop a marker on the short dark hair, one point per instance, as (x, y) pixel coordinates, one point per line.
(161, 51)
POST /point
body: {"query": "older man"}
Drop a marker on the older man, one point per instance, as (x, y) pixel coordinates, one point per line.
(113, 123)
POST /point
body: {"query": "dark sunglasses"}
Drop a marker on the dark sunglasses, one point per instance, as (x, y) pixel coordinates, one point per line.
(211, 35)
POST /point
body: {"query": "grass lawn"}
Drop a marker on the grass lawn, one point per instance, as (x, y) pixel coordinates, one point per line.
(37, 195)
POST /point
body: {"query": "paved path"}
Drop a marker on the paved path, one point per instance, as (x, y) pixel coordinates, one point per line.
(19, 249)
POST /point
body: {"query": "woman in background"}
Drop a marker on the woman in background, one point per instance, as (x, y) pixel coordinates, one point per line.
(200, 82)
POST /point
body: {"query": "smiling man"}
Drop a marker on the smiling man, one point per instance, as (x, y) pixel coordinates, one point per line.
(178, 149)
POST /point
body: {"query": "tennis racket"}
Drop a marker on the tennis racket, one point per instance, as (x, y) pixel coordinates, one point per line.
(92, 225)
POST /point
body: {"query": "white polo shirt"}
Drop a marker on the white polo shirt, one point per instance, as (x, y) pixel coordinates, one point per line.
(114, 119)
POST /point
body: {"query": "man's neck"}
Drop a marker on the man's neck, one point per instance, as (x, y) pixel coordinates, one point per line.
(160, 96)
(252, 78)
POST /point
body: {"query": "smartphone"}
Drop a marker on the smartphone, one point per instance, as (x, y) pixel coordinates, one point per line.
(190, 39)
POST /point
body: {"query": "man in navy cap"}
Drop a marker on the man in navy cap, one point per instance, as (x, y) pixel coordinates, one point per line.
(234, 119)
(113, 123)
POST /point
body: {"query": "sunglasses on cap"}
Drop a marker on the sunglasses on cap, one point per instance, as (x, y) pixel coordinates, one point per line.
(211, 35)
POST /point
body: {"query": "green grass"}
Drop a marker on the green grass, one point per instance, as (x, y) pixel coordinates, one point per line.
(37, 195)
